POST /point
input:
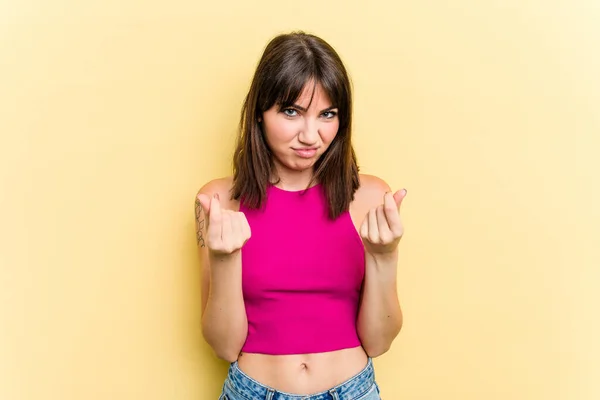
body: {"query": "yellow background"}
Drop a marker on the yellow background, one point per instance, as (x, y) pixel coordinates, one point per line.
(113, 113)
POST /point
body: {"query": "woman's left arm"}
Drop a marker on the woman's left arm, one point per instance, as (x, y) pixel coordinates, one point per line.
(380, 317)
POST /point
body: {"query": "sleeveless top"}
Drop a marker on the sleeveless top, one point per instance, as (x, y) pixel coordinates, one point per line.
(301, 275)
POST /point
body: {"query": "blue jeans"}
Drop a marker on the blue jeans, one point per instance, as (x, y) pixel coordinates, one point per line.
(239, 386)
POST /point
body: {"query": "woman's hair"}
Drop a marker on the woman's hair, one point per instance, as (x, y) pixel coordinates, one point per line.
(288, 64)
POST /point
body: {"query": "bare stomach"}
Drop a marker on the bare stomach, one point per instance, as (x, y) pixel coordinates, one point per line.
(304, 373)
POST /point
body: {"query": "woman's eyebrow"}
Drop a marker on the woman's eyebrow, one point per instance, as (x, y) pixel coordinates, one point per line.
(304, 109)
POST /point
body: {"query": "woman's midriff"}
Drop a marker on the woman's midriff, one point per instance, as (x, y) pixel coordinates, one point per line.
(303, 373)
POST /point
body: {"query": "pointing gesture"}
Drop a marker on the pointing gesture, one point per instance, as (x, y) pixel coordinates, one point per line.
(382, 228)
(227, 230)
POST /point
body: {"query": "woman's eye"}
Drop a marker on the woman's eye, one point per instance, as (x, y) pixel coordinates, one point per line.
(290, 112)
(329, 114)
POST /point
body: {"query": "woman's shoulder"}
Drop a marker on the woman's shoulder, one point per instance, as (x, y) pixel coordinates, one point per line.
(371, 185)
(371, 191)
(221, 186)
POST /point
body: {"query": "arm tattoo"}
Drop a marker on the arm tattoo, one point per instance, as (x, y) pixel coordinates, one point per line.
(199, 224)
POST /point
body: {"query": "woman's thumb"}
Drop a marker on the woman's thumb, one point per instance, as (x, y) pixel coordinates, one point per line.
(205, 203)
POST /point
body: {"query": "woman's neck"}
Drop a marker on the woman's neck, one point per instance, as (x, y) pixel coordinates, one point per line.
(292, 180)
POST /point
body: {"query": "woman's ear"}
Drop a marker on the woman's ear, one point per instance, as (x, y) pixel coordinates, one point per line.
(259, 119)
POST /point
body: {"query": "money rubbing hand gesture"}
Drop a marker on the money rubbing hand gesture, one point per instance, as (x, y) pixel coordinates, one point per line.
(382, 228)
(227, 230)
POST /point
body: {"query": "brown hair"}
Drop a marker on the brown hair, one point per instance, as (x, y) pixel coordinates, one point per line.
(289, 62)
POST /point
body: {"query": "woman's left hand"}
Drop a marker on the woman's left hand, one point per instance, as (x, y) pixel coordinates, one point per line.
(382, 228)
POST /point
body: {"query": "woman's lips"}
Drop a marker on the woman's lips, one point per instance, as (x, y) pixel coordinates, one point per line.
(306, 153)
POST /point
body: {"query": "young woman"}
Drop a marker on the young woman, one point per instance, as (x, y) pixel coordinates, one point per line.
(298, 250)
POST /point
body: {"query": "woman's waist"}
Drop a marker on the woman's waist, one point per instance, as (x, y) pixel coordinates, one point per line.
(303, 373)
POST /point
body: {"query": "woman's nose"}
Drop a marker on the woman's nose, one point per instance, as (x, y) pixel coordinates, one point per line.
(309, 134)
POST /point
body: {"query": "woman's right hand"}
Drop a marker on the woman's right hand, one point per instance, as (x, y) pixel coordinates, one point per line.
(227, 230)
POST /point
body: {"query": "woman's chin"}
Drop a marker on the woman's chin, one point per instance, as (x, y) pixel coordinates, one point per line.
(304, 166)
(297, 164)
(300, 165)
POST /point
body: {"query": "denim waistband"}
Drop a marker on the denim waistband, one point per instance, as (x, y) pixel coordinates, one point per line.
(238, 382)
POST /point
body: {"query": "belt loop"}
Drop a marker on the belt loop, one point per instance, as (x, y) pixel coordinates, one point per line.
(334, 394)
(270, 394)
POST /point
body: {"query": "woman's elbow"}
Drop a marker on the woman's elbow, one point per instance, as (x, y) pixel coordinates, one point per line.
(227, 355)
(376, 350)
(224, 347)
(225, 351)
(380, 346)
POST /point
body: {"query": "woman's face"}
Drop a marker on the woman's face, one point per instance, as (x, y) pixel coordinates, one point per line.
(300, 134)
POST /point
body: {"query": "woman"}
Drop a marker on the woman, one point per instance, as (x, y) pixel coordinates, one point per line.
(299, 250)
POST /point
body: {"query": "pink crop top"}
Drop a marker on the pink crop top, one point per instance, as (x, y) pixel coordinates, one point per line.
(301, 275)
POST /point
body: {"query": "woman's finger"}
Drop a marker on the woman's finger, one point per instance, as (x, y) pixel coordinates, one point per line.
(373, 232)
(399, 196)
(385, 235)
(245, 227)
(364, 228)
(391, 214)
(215, 220)
(238, 228)
(227, 229)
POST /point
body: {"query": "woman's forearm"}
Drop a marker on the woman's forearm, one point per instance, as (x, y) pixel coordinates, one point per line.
(380, 316)
(224, 322)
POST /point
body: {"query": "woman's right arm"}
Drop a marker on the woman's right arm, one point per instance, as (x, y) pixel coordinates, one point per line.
(219, 234)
